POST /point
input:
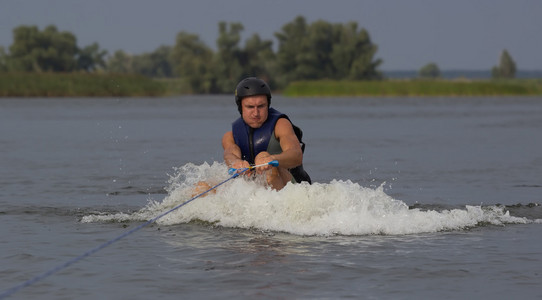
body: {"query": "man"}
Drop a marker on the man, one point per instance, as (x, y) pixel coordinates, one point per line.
(261, 135)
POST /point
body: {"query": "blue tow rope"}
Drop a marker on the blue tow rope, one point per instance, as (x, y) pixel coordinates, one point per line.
(63, 266)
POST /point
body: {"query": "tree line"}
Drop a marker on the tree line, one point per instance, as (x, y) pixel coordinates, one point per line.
(306, 51)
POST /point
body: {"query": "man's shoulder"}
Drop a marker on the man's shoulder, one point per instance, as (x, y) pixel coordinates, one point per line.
(283, 126)
(228, 135)
(283, 122)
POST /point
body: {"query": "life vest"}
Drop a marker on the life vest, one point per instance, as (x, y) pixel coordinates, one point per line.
(252, 141)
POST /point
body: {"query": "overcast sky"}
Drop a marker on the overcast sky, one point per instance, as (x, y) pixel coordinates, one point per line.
(455, 34)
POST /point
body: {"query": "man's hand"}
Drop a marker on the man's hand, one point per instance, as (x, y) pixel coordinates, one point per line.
(241, 164)
(263, 158)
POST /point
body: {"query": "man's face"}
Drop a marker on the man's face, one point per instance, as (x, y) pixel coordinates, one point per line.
(254, 110)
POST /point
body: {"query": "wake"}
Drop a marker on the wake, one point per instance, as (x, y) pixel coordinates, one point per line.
(334, 208)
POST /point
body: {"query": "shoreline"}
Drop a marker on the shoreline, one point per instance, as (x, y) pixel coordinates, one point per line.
(415, 88)
(30, 85)
(102, 85)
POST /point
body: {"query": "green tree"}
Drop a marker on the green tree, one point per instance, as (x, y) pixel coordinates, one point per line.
(120, 62)
(506, 67)
(430, 71)
(91, 58)
(343, 53)
(317, 63)
(324, 50)
(191, 61)
(154, 64)
(258, 59)
(3, 60)
(161, 58)
(364, 64)
(39, 51)
(291, 48)
(229, 70)
(353, 54)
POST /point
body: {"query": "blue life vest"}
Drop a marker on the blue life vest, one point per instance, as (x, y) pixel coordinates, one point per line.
(255, 140)
(252, 141)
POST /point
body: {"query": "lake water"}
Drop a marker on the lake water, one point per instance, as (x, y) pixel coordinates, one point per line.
(413, 198)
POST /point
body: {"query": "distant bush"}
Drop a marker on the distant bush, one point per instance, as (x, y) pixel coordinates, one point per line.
(429, 71)
(506, 68)
(414, 88)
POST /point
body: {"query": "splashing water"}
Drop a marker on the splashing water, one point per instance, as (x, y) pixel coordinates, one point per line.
(338, 207)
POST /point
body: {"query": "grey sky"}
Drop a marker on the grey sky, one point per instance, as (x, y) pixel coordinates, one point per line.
(455, 34)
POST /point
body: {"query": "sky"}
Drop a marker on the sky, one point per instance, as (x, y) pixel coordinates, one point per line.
(454, 34)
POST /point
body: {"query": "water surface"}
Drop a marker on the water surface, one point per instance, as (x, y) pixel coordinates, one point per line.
(414, 198)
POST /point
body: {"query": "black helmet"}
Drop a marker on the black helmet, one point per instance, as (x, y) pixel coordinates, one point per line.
(249, 87)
